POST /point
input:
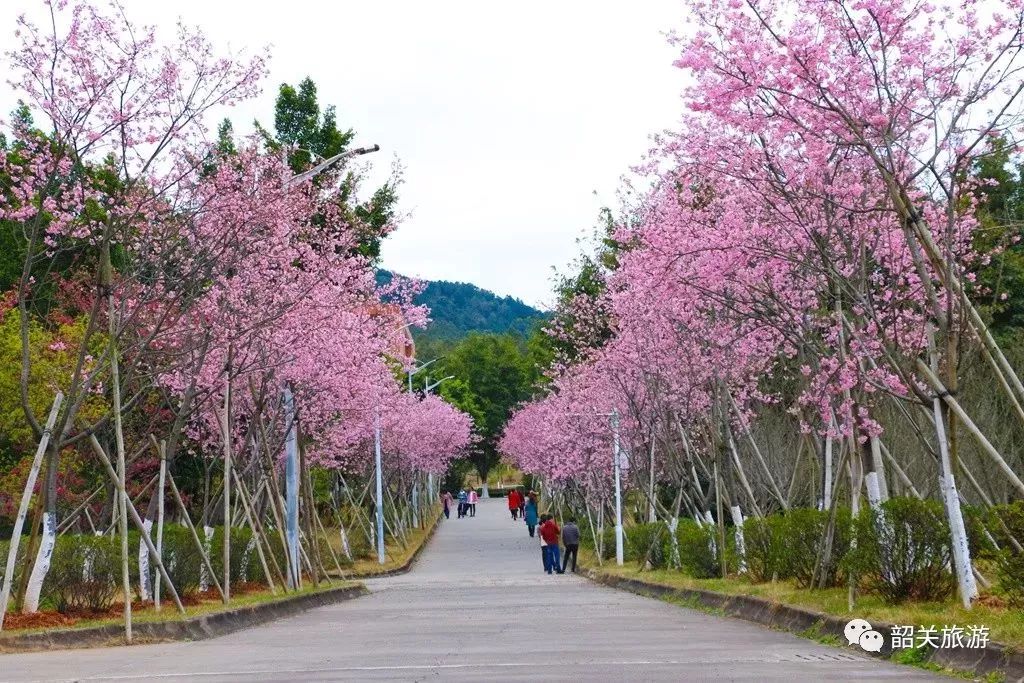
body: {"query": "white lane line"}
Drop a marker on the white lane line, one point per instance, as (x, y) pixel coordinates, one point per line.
(431, 667)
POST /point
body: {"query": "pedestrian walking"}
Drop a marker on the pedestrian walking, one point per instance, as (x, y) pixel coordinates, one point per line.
(448, 501)
(530, 514)
(513, 503)
(571, 541)
(545, 558)
(549, 533)
(462, 503)
(472, 497)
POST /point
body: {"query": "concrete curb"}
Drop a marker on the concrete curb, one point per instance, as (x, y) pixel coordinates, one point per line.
(194, 628)
(995, 658)
(404, 569)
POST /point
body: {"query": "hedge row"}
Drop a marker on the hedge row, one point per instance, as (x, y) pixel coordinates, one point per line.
(899, 553)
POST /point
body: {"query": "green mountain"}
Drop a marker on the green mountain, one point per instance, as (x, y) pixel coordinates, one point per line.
(458, 308)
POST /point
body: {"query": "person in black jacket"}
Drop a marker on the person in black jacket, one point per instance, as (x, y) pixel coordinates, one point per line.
(571, 540)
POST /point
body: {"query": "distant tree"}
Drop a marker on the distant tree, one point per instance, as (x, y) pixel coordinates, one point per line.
(498, 375)
(309, 135)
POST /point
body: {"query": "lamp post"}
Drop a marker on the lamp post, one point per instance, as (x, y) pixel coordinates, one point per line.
(617, 472)
(432, 385)
(380, 488)
(413, 371)
(616, 462)
(326, 164)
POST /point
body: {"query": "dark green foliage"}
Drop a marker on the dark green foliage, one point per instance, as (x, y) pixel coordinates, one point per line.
(298, 123)
(647, 543)
(699, 554)
(803, 531)
(903, 553)
(765, 543)
(181, 559)
(999, 289)
(1006, 521)
(458, 308)
(498, 376)
(788, 546)
(70, 586)
(239, 542)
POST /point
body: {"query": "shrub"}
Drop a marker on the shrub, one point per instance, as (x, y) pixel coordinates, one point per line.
(699, 554)
(802, 532)
(181, 559)
(239, 542)
(903, 553)
(85, 573)
(766, 549)
(647, 543)
(1007, 520)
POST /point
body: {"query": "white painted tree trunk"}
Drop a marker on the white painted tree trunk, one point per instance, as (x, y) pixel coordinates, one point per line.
(160, 525)
(674, 559)
(344, 541)
(713, 542)
(741, 547)
(826, 485)
(958, 534)
(879, 466)
(204, 576)
(144, 591)
(42, 565)
(26, 497)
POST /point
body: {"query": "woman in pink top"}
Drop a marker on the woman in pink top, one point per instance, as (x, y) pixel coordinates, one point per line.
(472, 499)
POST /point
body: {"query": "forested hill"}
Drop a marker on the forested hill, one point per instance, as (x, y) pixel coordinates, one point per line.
(458, 308)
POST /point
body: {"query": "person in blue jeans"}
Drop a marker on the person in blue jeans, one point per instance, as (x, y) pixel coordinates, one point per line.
(462, 503)
(549, 533)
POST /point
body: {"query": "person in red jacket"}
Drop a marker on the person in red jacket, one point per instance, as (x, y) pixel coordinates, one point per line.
(549, 533)
(514, 501)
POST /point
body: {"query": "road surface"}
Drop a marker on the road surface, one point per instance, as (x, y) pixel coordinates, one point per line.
(477, 607)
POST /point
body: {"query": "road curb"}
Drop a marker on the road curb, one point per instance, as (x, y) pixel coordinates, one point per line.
(195, 628)
(993, 659)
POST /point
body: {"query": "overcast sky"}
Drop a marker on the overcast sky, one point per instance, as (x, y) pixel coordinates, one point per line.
(514, 121)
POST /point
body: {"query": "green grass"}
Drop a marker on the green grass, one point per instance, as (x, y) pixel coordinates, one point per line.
(395, 553)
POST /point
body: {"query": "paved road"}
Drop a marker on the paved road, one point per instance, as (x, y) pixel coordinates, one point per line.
(477, 607)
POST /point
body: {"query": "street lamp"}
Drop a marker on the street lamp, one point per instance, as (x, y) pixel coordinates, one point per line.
(328, 163)
(412, 371)
(432, 385)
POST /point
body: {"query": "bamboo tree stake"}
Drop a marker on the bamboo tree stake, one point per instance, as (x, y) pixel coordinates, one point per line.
(742, 475)
(277, 505)
(323, 531)
(226, 426)
(26, 497)
(106, 283)
(260, 528)
(757, 452)
(137, 520)
(951, 498)
(899, 470)
(195, 537)
(989, 449)
(160, 521)
(252, 525)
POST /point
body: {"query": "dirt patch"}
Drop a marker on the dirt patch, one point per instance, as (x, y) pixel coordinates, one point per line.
(38, 620)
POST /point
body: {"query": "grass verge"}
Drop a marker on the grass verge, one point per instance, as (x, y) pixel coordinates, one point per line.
(1005, 625)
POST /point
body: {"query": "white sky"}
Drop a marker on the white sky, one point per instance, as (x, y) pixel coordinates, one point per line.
(515, 121)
